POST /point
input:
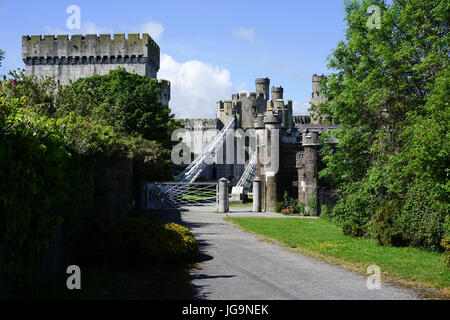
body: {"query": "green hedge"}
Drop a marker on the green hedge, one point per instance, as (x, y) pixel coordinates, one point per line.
(33, 175)
(51, 141)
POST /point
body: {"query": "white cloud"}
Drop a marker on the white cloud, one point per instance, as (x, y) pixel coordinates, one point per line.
(246, 34)
(86, 28)
(91, 28)
(154, 29)
(195, 87)
(301, 108)
(242, 88)
(54, 30)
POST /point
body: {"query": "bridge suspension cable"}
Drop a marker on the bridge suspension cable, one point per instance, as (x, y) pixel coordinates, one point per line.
(193, 171)
(249, 173)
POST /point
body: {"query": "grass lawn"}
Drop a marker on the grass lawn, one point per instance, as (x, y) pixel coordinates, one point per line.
(197, 197)
(246, 204)
(322, 239)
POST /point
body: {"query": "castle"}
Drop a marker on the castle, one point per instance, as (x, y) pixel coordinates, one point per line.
(264, 111)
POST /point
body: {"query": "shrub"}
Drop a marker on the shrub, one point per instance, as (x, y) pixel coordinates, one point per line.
(324, 212)
(386, 230)
(290, 206)
(288, 211)
(353, 228)
(300, 208)
(288, 201)
(279, 206)
(446, 245)
(353, 209)
(446, 240)
(422, 218)
(296, 208)
(34, 183)
(140, 240)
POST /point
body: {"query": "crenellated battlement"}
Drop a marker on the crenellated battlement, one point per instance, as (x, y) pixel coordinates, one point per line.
(90, 45)
(199, 124)
(316, 77)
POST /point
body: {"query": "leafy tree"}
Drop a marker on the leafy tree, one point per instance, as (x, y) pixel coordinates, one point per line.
(127, 102)
(124, 100)
(389, 94)
(123, 104)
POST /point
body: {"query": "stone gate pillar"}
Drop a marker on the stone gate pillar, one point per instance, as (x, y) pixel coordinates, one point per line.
(260, 147)
(257, 193)
(223, 196)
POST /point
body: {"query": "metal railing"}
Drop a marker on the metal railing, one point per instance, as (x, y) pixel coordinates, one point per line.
(163, 195)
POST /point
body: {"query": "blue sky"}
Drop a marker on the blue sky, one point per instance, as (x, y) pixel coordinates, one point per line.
(210, 49)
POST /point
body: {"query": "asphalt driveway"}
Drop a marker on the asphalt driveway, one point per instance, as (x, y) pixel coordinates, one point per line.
(236, 265)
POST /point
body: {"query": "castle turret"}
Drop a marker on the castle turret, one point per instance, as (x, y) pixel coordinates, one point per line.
(271, 158)
(249, 110)
(278, 106)
(164, 95)
(307, 169)
(262, 87)
(224, 112)
(316, 83)
(277, 93)
(289, 116)
(316, 96)
(237, 111)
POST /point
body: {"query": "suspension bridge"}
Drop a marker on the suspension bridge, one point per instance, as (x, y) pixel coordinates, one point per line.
(184, 191)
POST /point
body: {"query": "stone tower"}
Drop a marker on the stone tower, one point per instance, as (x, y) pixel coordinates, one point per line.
(307, 161)
(262, 87)
(270, 157)
(316, 96)
(277, 93)
(68, 59)
(80, 56)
